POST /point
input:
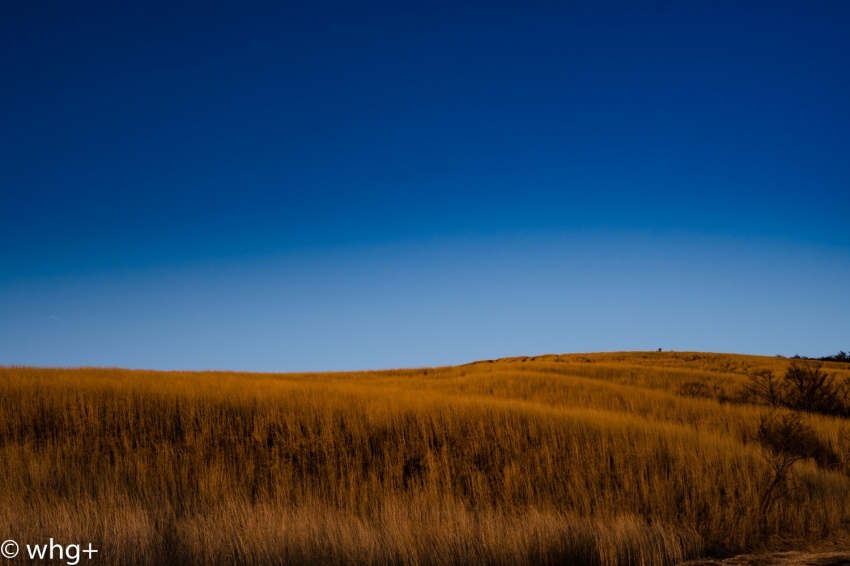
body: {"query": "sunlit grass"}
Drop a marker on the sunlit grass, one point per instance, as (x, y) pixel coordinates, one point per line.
(586, 459)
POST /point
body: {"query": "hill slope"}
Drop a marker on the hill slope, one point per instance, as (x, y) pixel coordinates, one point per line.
(622, 458)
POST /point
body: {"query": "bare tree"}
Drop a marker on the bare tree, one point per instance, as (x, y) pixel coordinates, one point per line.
(765, 385)
(786, 439)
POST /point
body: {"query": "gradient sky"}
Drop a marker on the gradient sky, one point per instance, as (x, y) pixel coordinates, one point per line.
(292, 186)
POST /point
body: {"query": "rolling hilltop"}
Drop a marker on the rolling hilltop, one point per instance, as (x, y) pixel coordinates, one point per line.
(643, 458)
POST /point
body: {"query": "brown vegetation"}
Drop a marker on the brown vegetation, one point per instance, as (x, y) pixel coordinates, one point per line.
(581, 459)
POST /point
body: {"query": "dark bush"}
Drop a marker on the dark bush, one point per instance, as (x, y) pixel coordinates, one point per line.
(695, 389)
(787, 433)
(803, 387)
(787, 439)
(766, 386)
(809, 389)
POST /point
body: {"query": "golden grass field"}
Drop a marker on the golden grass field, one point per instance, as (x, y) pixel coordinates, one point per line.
(571, 459)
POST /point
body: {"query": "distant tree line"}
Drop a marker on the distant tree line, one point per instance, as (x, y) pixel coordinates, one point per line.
(841, 356)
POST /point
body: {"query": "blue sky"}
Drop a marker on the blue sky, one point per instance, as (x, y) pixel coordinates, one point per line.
(328, 185)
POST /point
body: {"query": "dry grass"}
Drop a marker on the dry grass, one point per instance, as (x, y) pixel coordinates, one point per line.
(583, 459)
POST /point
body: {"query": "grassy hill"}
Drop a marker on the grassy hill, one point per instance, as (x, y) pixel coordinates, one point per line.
(623, 458)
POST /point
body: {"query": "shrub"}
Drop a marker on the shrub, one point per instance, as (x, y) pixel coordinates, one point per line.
(809, 389)
(787, 438)
(764, 385)
(803, 387)
(695, 389)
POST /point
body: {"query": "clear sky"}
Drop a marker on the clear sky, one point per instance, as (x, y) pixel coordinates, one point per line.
(346, 185)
